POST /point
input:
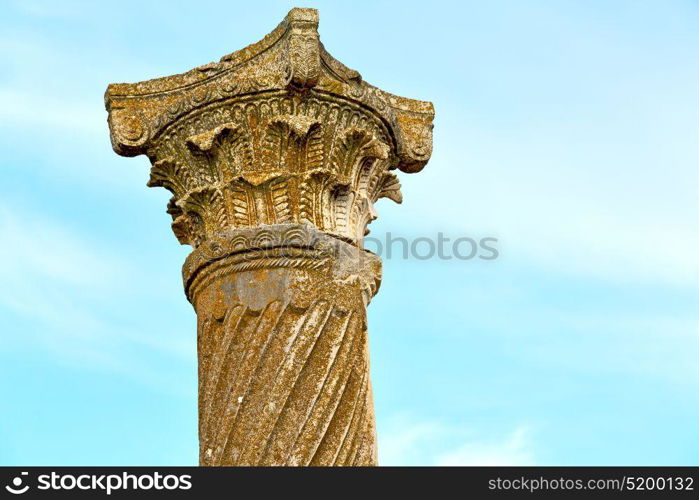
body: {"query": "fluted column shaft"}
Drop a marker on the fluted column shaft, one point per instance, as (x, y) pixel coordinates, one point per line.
(283, 353)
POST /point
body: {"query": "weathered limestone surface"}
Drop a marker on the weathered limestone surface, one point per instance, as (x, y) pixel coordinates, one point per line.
(275, 156)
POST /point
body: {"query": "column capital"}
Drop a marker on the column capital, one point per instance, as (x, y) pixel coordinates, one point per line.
(279, 132)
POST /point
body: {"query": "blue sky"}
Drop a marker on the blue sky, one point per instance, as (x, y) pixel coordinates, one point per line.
(566, 129)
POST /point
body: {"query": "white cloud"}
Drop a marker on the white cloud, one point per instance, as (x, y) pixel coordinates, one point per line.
(567, 208)
(586, 166)
(47, 9)
(512, 449)
(62, 288)
(36, 247)
(406, 441)
(401, 442)
(29, 108)
(662, 346)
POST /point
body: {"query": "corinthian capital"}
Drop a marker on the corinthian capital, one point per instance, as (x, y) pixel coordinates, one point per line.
(278, 132)
(275, 156)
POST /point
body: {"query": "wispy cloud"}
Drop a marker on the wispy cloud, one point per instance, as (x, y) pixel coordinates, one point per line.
(587, 165)
(31, 109)
(512, 449)
(37, 247)
(408, 441)
(47, 9)
(61, 286)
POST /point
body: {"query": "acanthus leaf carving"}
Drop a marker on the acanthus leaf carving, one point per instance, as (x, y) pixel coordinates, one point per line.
(205, 141)
(388, 186)
(285, 142)
(171, 175)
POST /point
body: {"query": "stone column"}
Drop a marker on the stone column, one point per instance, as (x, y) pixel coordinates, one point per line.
(275, 156)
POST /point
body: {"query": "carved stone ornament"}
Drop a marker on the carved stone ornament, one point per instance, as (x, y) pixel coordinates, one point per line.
(275, 157)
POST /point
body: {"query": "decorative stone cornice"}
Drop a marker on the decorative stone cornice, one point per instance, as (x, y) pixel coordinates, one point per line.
(278, 132)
